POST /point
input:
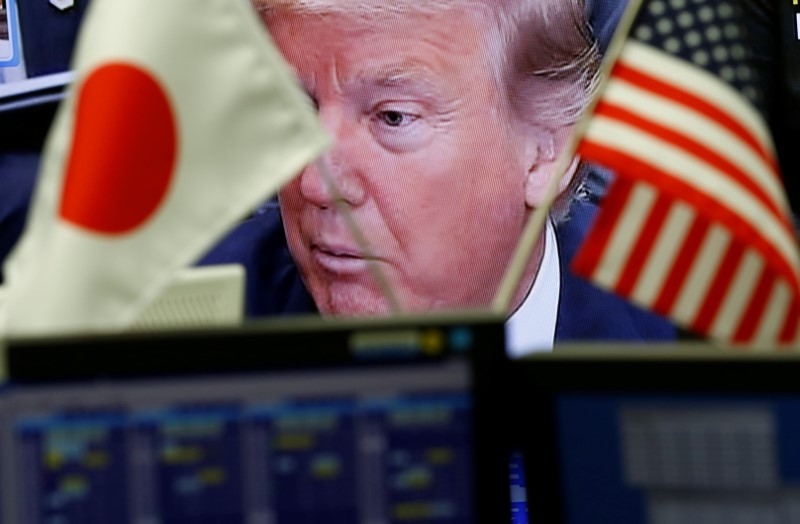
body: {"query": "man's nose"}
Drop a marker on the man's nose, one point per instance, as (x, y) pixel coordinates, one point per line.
(341, 161)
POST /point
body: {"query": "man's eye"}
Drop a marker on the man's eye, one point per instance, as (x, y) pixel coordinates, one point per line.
(399, 126)
(395, 118)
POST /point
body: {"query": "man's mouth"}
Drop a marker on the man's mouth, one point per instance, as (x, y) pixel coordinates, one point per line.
(339, 259)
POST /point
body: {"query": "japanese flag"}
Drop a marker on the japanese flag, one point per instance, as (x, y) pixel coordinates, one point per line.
(182, 118)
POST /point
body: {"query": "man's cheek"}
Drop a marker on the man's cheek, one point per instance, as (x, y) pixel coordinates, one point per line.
(291, 217)
(291, 206)
(290, 193)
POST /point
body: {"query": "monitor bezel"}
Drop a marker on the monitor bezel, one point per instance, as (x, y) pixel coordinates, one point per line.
(290, 344)
(626, 369)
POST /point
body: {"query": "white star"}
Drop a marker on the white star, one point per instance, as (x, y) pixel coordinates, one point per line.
(657, 7)
(727, 73)
(751, 93)
(685, 19)
(693, 39)
(700, 58)
(731, 31)
(744, 73)
(673, 45)
(725, 10)
(644, 32)
(713, 34)
(720, 53)
(706, 14)
(664, 26)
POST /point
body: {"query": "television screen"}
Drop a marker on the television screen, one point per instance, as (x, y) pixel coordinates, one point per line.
(36, 43)
(618, 436)
(443, 145)
(8, 51)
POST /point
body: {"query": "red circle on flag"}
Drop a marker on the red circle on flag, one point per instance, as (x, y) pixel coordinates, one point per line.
(124, 150)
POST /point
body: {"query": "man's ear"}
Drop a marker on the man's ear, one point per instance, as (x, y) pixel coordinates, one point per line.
(543, 152)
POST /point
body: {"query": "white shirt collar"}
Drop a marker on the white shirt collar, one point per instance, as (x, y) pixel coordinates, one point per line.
(532, 327)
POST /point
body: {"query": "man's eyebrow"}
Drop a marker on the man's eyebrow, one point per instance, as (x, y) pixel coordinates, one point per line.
(406, 75)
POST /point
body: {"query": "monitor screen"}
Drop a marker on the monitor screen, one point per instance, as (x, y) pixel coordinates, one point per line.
(677, 457)
(339, 446)
(453, 120)
(327, 423)
(663, 438)
(451, 251)
(8, 42)
(36, 44)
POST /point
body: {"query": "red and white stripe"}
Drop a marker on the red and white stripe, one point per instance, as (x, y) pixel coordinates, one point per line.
(698, 227)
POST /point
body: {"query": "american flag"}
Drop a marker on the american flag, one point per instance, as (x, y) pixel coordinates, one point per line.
(697, 226)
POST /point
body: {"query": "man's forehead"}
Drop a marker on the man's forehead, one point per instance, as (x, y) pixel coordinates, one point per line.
(425, 67)
(397, 72)
(384, 50)
(402, 74)
(365, 6)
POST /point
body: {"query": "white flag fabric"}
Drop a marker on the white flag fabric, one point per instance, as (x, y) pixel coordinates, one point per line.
(182, 117)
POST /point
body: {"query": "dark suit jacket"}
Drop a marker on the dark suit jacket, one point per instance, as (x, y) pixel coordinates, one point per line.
(17, 176)
(48, 35)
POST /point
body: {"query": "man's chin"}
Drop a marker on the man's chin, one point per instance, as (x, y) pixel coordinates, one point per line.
(359, 301)
(353, 305)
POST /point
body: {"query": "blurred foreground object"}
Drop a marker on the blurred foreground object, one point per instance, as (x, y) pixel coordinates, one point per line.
(176, 127)
(196, 298)
(697, 227)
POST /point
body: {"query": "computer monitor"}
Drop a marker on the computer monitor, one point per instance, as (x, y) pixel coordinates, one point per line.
(301, 421)
(8, 42)
(36, 43)
(196, 298)
(654, 436)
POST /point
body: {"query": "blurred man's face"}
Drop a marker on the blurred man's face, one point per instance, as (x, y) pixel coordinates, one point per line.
(423, 156)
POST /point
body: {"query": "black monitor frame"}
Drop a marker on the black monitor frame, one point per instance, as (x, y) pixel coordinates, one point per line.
(653, 370)
(285, 344)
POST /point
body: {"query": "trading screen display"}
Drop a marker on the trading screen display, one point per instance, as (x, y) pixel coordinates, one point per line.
(36, 44)
(8, 41)
(367, 445)
(678, 458)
